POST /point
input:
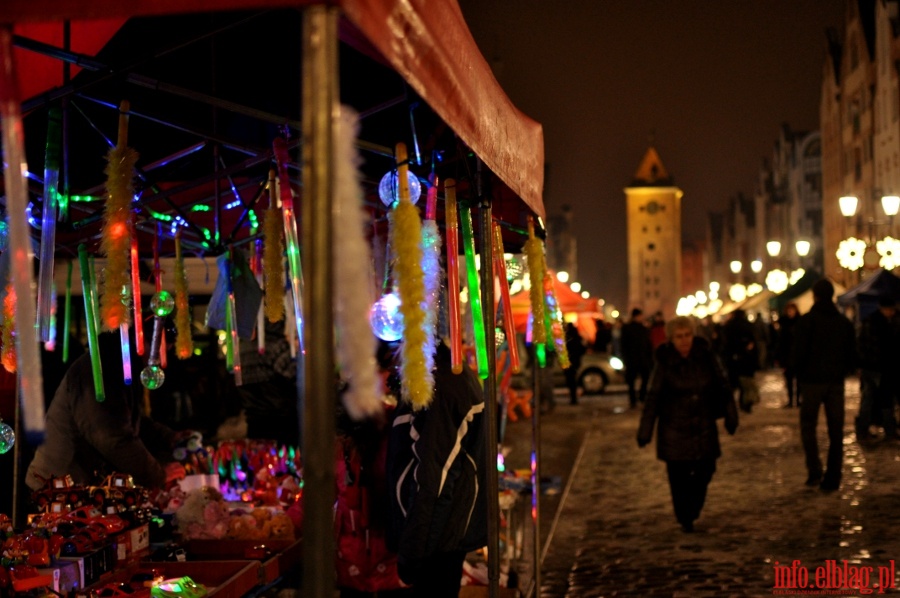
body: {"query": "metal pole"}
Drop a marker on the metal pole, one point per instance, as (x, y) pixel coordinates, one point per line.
(536, 374)
(319, 108)
(490, 398)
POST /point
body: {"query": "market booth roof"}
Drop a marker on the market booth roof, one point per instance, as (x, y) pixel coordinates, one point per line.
(426, 43)
(569, 302)
(865, 295)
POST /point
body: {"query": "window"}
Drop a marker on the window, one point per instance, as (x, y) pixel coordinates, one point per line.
(651, 246)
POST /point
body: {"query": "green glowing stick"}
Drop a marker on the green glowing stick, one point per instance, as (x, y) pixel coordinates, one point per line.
(67, 317)
(465, 217)
(90, 323)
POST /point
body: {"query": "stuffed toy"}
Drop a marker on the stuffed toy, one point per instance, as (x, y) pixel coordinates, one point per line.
(204, 514)
(280, 527)
(242, 527)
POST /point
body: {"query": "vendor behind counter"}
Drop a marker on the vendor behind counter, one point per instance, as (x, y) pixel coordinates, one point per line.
(87, 439)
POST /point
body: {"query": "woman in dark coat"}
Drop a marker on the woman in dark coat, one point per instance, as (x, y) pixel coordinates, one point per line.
(688, 391)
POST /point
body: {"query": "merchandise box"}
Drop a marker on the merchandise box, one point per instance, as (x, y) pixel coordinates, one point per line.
(53, 574)
(93, 564)
(232, 549)
(132, 544)
(66, 576)
(223, 579)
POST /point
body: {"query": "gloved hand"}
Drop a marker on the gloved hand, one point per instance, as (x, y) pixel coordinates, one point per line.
(407, 570)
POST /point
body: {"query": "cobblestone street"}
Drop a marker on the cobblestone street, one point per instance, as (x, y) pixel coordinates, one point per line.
(617, 535)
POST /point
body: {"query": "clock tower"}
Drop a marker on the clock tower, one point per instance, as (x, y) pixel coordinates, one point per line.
(653, 211)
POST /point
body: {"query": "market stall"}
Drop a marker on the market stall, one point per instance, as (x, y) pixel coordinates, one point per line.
(436, 57)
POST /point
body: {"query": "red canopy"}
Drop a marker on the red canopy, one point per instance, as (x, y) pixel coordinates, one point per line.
(426, 41)
(569, 302)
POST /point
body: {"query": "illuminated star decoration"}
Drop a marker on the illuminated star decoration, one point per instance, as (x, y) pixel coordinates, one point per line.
(889, 250)
(850, 253)
(777, 281)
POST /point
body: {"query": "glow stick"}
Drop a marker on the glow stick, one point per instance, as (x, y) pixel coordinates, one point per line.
(292, 244)
(126, 352)
(534, 253)
(90, 323)
(29, 362)
(431, 202)
(453, 274)
(260, 314)
(68, 317)
(232, 342)
(157, 271)
(465, 217)
(95, 294)
(50, 345)
(508, 324)
(136, 293)
(48, 222)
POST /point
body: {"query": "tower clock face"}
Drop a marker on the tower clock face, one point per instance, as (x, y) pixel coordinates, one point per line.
(652, 207)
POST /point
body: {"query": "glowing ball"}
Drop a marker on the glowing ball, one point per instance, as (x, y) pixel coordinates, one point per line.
(162, 304)
(7, 438)
(389, 192)
(153, 377)
(385, 318)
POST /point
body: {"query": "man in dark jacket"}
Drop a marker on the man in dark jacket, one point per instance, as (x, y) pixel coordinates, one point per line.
(742, 358)
(637, 354)
(879, 352)
(824, 354)
(436, 482)
(87, 438)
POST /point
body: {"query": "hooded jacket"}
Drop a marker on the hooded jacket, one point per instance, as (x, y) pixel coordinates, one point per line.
(686, 395)
(86, 438)
(436, 478)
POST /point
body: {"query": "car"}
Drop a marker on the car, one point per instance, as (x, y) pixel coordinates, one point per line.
(118, 488)
(182, 587)
(596, 373)
(120, 590)
(113, 524)
(59, 489)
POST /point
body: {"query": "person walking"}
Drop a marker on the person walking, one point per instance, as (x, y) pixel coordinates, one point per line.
(824, 353)
(688, 391)
(575, 348)
(786, 324)
(879, 350)
(742, 358)
(637, 354)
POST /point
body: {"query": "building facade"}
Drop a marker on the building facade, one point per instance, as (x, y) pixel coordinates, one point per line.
(653, 212)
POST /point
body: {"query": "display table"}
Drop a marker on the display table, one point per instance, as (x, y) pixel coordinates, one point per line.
(280, 556)
(223, 579)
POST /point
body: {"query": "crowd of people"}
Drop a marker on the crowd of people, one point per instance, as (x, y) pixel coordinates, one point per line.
(702, 373)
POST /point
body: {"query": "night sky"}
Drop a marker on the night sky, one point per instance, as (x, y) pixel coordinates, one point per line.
(712, 80)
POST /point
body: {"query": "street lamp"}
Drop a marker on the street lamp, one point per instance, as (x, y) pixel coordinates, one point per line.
(802, 246)
(756, 266)
(562, 276)
(773, 248)
(848, 205)
(890, 204)
(735, 266)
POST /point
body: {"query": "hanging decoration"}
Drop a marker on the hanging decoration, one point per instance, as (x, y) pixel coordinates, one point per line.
(136, 292)
(19, 242)
(157, 275)
(475, 308)
(90, 319)
(125, 341)
(508, 323)
(184, 344)
(431, 267)
(67, 318)
(256, 269)
(7, 437)
(273, 262)
(386, 319)
(232, 341)
(389, 188)
(888, 250)
(534, 253)
(406, 235)
(452, 232)
(292, 243)
(554, 321)
(115, 242)
(48, 223)
(355, 345)
(153, 376)
(8, 352)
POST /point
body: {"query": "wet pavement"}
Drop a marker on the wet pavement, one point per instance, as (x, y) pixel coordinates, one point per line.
(617, 536)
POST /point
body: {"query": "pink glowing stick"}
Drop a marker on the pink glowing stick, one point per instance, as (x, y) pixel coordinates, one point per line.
(136, 293)
(126, 352)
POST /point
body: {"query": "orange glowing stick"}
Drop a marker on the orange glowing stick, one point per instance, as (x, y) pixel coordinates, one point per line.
(456, 358)
(509, 325)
